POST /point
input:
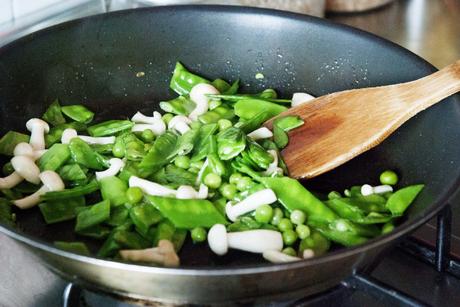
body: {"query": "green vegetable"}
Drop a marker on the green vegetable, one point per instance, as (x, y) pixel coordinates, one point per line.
(228, 190)
(181, 105)
(134, 195)
(285, 224)
(9, 141)
(248, 108)
(389, 177)
(298, 217)
(316, 242)
(289, 251)
(144, 216)
(186, 141)
(55, 211)
(348, 208)
(183, 81)
(114, 189)
(303, 231)
(93, 215)
(219, 113)
(401, 199)
(212, 180)
(72, 172)
(198, 234)
(110, 127)
(289, 237)
(7, 169)
(164, 231)
(337, 234)
(264, 214)
(97, 232)
(6, 215)
(224, 124)
(78, 113)
(53, 114)
(130, 240)
(55, 133)
(280, 128)
(118, 216)
(187, 213)
(202, 145)
(277, 216)
(161, 153)
(230, 143)
(84, 155)
(179, 176)
(253, 123)
(54, 157)
(69, 193)
(182, 162)
(73, 247)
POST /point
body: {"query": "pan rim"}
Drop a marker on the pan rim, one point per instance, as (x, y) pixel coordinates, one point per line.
(390, 238)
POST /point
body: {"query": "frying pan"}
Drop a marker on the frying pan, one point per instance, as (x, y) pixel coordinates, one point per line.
(96, 60)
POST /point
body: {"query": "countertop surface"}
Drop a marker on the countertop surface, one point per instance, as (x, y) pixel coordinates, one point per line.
(429, 28)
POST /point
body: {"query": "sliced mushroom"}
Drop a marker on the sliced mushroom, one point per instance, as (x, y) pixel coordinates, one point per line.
(51, 182)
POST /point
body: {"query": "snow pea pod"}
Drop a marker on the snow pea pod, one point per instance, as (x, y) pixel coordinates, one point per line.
(6, 215)
(213, 116)
(144, 216)
(187, 213)
(78, 113)
(183, 81)
(345, 238)
(55, 133)
(179, 176)
(54, 158)
(316, 242)
(53, 115)
(346, 208)
(253, 123)
(93, 215)
(118, 216)
(110, 127)
(230, 143)
(129, 239)
(221, 85)
(114, 189)
(55, 211)
(72, 172)
(73, 247)
(186, 142)
(68, 193)
(280, 128)
(259, 155)
(9, 141)
(401, 199)
(84, 155)
(180, 105)
(201, 147)
(248, 108)
(97, 232)
(161, 153)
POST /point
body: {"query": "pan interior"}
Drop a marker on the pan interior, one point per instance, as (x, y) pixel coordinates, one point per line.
(96, 62)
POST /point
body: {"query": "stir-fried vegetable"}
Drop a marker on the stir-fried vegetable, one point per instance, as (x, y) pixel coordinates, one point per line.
(206, 168)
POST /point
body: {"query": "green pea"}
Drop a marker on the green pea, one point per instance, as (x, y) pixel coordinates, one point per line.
(135, 145)
(277, 216)
(118, 150)
(285, 224)
(224, 124)
(289, 237)
(147, 135)
(298, 217)
(389, 177)
(194, 170)
(388, 227)
(334, 195)
(182, 162)
(197, 164)
(289, 251)
(264, 214)
(228, 190)
(235, 177)
(244, 183)
(167, 117)
(347, 193)
(198, 234)
(134, 195)
(212, 180)
(303, 231)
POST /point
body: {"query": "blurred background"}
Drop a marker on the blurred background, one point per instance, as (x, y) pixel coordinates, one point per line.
(429, 28)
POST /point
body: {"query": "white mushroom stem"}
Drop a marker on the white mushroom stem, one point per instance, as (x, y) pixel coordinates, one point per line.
(10, 181)
(164, 254)
(51, 182)
(188, 192)
(273, 168)
(69, 133)
(198, 95)
(155, 123)
(367, 189)
(275, 256)
(254, 241)
(250, 203)
(300, 98)
(261, 133)
(37, 128)
(179, 123)
(151, 188)
(115, 166)
(308, 253)
(25, 149)
(25, 167)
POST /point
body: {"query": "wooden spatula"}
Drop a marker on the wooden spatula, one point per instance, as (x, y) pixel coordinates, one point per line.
(342, 125)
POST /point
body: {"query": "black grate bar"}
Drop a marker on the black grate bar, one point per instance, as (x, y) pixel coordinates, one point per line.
(381, 291)
(444, 222)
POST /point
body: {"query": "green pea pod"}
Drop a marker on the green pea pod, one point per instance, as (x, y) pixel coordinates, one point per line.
(161, 153)
(230, 143)
(54, 157)
(253, 123)
(244, 223)
(9, 141)
(73, 247)
(6, 215)
(93, 215)
(316, 242)
(345, 238)
(268, 144)
(69, 193)
(53, 114)
(114, 189)
(201, 147)
(84, 155)
(280, 128)
(103, 149)
(187, 213)
(269, 95)
(78, 113)
(130, 240)
(72, 172)
(259, 155)
(248, 108)
(401, 199)
(213, 116)
(179, 176)
(183, 81)
(178, 238)
(55, 211)
(233, 89)
(144, 216)
(97, 232)
(110, 127)
(133, 148)
(110, 247)
(181, 105)
(347, 208)
(220, 85)
(186, 142)
(55, 134)
(164, 231)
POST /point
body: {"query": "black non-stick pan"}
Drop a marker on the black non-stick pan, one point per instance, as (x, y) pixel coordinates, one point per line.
(96, 61)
